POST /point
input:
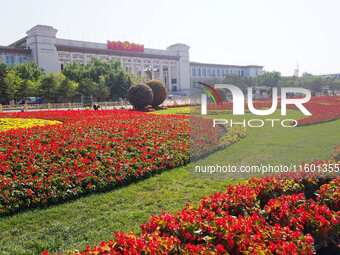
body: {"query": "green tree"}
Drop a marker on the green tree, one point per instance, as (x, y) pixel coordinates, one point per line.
(75, 71)
(118, 83)
(100, 79)
(67, 90)
(269, 79)
(4, 98)
(29, 71)
(55, 87)
(102, 91)
(335, 85)
(242, 82)
(87, 87)
(49, 87)
(27, 88)
(12, 85)
(23, 81)
(314, 83)
(289, 81)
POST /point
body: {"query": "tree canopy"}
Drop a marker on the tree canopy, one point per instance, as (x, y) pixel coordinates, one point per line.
(274, 79)
(99, 80)
(107, 80)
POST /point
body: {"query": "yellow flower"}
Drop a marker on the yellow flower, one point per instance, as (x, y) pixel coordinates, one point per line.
(15, 123)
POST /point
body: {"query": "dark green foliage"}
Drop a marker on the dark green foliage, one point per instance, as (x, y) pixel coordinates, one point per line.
(159, 92)
(55, 87)
(29, 71)
(274, 79)
(19, 82)
(140, 96)
(102, 80)
(269, 79)
(98, 79)
(4, 98)
(30, 75)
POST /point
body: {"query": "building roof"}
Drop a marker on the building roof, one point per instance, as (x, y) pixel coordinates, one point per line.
(19, 43)
(113, 52)
(6, 49)
(221, 65)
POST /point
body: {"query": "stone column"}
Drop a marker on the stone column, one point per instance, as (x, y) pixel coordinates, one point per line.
(169, 77)
(42, 42)
(182, 51)
(161, 77)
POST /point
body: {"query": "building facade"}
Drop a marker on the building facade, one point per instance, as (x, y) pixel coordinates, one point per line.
(215, 72)
(13, 56)
(331, 76)
(171, 65)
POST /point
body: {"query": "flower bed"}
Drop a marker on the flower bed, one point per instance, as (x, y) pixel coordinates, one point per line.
(323, 109)
(15, 123)
(264, 216)
(92, 151)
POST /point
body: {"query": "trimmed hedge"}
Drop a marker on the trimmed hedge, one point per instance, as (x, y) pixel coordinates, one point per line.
(159, 92)
(140, 96)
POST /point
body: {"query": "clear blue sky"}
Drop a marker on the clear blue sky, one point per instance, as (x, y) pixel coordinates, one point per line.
(273, 33)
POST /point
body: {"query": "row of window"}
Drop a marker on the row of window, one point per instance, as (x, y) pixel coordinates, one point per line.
(65, 56)
(156, 75)
(14, 59)
(214, 72)
(134, 65)
(156, 69)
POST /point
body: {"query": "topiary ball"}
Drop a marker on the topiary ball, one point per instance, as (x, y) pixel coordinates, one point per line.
(140, 96)
(159, 92)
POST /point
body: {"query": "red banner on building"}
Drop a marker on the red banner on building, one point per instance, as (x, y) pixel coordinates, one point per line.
(125, 46)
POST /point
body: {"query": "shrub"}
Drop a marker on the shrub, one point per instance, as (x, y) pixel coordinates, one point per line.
(270, 187)
(301, 214)
(330, 194)
(140, 96)
(237, 200)
(159, 92)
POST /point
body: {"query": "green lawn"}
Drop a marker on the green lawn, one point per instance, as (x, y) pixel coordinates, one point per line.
(91, 219)
(280, 145)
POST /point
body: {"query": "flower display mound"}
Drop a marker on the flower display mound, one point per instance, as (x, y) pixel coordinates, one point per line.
(323, 109)
(16, 123)
(271, 215)
(205, 139)
(91, 151)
